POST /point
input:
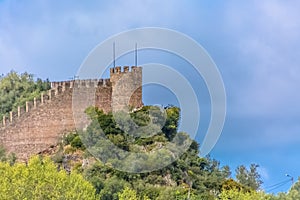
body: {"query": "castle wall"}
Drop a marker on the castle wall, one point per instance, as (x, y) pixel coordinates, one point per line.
(126, 87)
(43, 122)
(40, 127)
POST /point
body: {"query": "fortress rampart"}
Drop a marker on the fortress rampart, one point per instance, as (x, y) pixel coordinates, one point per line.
(42, 122)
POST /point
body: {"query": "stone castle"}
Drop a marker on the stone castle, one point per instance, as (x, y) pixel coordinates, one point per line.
(43, 122)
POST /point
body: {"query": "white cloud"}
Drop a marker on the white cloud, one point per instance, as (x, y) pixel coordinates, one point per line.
(45, 34)
(52, 35)
(267, 37)
(281, 16)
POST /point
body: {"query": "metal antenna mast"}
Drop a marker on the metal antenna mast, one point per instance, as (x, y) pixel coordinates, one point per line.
(114, 54)
(136, 54)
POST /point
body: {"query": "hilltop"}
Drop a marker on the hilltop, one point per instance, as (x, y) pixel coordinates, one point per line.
(188, 176)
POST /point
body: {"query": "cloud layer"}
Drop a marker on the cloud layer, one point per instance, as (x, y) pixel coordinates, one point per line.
(254, 43)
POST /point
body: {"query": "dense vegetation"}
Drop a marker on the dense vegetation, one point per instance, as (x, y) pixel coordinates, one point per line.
(40, 179)
(73, 173)
(189, 177)
(16, 89)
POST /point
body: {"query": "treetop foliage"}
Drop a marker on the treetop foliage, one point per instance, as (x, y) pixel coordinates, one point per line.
(16, 89)
(40, 179)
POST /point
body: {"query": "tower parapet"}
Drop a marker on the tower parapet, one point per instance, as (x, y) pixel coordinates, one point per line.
(126, 87)
(125, 69)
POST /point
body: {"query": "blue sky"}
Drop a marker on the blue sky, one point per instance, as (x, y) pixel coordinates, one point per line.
(255, 45)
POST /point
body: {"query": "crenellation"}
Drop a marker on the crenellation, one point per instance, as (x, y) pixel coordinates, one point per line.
(92, 83)
(10, 116)
(27, 106)
(100, 82)
(76, 84)
(133, 68)
(4, 121)
(13, 116)
(136, 69)
(88, 83)
(103, 82)
(60, 90)
(126, 69)
(71, 84)
(95, 83)
(118, 70)
(106, 82)
(34, 102)
(56, 90)
(53, 84)
(42, 98)
(63, 87)
(19, 111)
(82, 83)
(43, 120)
(50, 94)
(112, 70)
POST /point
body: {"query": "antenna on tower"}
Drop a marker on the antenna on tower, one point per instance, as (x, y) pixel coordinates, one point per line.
(136, 54)
(114, 54)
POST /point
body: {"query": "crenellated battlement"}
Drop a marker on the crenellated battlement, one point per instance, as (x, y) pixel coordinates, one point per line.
(41, 122)
(126, 69)
(88, 83)
(59, 87)
(56, 89)
(45, 97)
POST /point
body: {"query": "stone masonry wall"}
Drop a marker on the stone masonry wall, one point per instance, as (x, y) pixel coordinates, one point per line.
(43, 122)
(40, 127)
(126, 87)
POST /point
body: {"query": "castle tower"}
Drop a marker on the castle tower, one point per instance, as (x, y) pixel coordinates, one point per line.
(42, 122)
(126, 87)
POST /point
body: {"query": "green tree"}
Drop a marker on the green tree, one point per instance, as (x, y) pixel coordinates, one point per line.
(76, 143)
(127, 194)
(242, 195)
(250, 178)
(112, 187)
(16, 89)
(231, 184)
(40, 179)
(202, 178)
(171, 124)
(293, 193)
